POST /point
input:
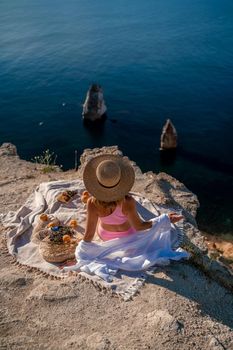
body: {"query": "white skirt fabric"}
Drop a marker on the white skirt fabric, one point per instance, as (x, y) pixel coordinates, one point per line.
(137, 252)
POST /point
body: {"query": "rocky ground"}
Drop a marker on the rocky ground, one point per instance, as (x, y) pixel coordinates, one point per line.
(179, 307)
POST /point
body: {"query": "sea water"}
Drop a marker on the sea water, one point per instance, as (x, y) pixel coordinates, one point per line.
(155, 59)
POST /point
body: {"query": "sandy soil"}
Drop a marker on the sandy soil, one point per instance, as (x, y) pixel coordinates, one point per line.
(178, 308)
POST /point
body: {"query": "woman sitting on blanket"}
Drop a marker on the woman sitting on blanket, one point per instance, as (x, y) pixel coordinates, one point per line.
(111, 211)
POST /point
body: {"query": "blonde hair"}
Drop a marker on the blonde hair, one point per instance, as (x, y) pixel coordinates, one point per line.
(104, 205)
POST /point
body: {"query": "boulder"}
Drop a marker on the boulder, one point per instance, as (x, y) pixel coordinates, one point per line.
(8, 149)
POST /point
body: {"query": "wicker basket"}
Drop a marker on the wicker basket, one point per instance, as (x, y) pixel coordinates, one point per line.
(57, 252)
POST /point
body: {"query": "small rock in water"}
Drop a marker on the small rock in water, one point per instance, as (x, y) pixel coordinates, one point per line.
(41, 123)
(168, 138)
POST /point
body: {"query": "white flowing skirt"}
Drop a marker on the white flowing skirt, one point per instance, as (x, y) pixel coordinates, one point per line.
(136, 252)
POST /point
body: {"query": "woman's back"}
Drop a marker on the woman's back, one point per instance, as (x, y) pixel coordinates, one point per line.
(112, 222)
(117, 217)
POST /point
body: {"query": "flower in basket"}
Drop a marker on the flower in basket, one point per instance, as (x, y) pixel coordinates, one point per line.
(57, 234)
(66, 239)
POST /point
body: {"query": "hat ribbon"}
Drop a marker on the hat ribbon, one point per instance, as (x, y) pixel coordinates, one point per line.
(108, 186)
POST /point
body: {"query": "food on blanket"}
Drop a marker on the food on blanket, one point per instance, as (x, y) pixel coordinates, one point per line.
(85, 196)
(65, 196)
(44, 217)
(66, 239)
(57, 233)
(73, 223)
(71, 193)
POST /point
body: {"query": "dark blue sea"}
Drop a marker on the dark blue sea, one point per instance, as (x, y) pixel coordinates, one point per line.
(155, 59)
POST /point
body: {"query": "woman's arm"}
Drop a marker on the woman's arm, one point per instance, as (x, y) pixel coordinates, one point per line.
(129, 209)
(92, 219)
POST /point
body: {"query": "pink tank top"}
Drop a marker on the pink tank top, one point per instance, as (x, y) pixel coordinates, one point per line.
(116, 218)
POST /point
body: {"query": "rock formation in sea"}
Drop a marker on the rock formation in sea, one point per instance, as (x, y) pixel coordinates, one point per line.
(94, 108)
(168, 138)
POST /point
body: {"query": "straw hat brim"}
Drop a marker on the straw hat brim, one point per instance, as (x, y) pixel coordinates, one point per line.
(101, 192)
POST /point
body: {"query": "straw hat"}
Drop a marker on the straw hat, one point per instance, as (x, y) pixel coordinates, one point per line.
(108, 177)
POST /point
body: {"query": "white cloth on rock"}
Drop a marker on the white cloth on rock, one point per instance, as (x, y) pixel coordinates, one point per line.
(137, 252)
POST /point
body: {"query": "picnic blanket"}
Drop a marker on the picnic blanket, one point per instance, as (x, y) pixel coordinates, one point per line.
(101, 262)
